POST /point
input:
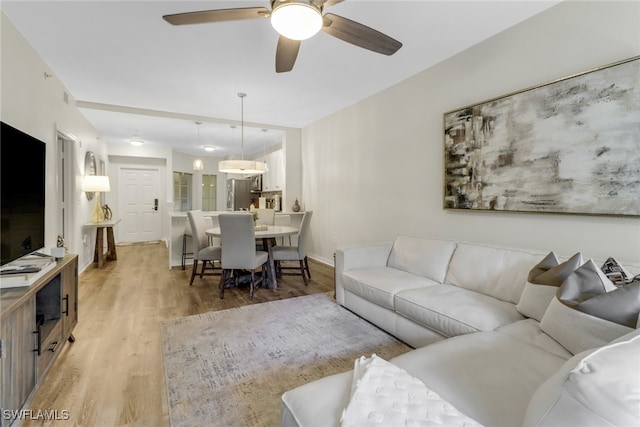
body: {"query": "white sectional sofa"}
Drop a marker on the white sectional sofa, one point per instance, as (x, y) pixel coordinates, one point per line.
(501, 350)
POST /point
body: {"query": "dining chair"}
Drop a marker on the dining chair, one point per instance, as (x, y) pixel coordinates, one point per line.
(202, 251)
(265, 217)
(238, 241)
(186, 254)
(295, 253)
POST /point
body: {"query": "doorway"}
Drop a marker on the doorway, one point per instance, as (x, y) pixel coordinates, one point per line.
(139, 205)
(64, 180)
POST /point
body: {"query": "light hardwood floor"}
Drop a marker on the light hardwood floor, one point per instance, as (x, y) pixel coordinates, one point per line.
(113, 374)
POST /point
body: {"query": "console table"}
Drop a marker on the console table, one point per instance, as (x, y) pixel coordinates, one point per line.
(99, 255)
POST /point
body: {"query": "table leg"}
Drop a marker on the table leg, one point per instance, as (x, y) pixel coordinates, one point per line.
(271, 265)
(98, 256)
(111, 245)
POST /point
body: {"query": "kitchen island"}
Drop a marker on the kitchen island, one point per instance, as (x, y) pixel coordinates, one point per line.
(178, 221)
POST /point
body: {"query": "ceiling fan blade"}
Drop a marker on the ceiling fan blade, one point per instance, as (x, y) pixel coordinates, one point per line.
(286, 54)
(220, 15)
(321, 3)
(359, 35)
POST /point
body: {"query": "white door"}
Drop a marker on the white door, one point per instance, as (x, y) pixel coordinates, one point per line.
(138, 202)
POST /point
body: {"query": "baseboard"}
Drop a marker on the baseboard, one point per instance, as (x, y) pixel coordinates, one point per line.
(321, 259)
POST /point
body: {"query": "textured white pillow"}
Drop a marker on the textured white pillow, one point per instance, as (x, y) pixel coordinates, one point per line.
(596, 388)
(535, 299)
(577, 331)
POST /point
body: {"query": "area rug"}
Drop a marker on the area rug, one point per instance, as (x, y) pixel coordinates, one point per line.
(230, 367)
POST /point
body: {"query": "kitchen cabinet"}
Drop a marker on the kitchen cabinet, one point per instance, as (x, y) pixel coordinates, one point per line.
(273, 179)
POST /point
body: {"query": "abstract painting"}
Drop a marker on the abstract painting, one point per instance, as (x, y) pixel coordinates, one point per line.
(569, 146)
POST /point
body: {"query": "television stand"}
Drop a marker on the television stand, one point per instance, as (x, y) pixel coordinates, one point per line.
(36, 321)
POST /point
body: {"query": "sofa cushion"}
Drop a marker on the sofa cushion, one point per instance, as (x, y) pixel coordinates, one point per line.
(528, 331)
(424, 257)
(380, 284)
(500, 273)
(577, 331)
(488, 376)
(594, 388)
(452, 311)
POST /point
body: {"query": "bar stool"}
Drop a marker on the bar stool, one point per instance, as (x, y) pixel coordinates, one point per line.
(187, 233)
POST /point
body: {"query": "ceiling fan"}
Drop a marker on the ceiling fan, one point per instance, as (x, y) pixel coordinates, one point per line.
(296, 20)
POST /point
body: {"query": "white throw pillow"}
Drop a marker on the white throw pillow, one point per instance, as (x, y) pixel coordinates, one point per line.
(535, 299)
(594, 388)
(577, 331)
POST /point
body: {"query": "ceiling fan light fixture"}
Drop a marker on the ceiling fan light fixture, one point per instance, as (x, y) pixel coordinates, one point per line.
(296, 21)
(209, 148)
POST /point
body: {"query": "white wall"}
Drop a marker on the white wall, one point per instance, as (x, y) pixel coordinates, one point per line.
(375, 169)
(33, 101)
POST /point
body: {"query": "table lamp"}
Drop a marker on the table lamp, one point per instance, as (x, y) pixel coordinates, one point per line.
(97, 184)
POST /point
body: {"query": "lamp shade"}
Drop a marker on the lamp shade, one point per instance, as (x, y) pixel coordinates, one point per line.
(296, 21)
(242, 166)
(99, 183)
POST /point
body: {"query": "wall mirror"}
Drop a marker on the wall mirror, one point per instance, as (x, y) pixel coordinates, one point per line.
(90, 170)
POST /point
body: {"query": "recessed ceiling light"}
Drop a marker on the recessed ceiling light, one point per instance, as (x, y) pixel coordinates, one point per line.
(209, 148)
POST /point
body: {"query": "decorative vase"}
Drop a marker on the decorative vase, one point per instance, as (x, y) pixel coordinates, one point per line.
(296, 206)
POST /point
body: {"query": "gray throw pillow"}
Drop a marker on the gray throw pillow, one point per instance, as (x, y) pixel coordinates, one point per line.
(588, 290)
(549, 272)
(584, 283)
(621, 305)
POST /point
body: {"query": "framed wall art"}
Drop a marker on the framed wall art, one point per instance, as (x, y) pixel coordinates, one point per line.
(569, 146)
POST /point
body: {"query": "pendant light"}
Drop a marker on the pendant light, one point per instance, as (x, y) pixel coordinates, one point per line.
(242, 166)
(198, 164)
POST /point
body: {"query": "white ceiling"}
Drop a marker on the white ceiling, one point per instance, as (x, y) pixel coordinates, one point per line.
(117, 56)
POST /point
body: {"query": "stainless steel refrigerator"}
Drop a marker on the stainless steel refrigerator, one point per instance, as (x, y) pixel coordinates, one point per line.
(238, 194)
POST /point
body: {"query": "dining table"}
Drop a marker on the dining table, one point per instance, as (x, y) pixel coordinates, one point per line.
(268, 236)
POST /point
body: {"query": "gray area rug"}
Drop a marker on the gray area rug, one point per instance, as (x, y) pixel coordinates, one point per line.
(230, 367)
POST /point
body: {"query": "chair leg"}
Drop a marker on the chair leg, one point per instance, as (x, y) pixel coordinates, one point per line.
(306, 263)
(252, 286)
(304, 276)
(204, 265)
(194, 271)
(223, 281)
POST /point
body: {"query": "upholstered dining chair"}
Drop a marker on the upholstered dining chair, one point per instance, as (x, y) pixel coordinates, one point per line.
(266, 216)
(238, 242)
(295, 253)
(202, 251)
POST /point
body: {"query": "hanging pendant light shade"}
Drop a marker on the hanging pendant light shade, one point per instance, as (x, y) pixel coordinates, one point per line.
(242, 166)
(198, 164)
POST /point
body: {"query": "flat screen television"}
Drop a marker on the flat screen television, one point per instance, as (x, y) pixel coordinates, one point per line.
(23, 168)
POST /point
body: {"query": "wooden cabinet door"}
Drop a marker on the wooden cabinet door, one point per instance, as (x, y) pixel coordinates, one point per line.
(18, 361)
(69, 298)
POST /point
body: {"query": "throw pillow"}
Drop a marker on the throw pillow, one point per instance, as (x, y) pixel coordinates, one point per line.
(588, 290)
(546, 264)
(584, 283)
(597, 388)
(546, 273)
(543, 281)
(577, 331)
(615, 271)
